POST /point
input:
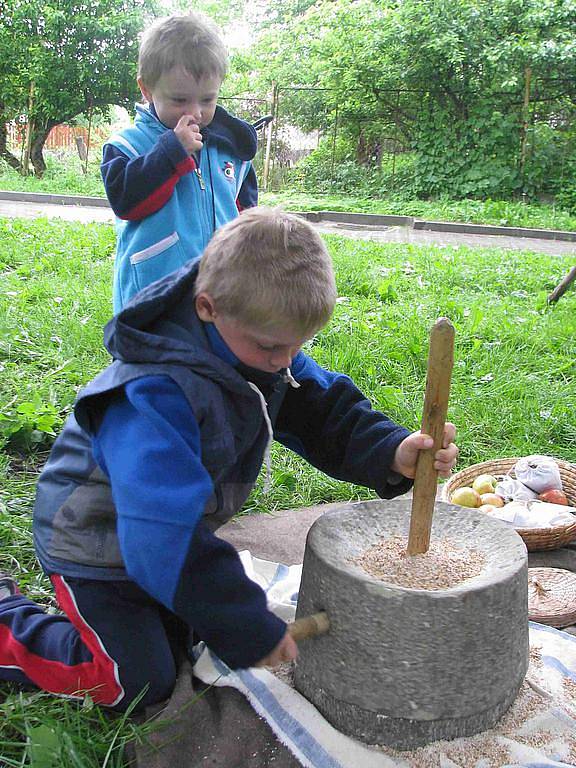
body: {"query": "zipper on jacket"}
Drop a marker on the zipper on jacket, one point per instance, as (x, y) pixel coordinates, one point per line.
(198, 173)
(206, 205)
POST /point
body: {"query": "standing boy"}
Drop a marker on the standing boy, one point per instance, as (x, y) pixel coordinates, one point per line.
(165, 445)
(183, 169)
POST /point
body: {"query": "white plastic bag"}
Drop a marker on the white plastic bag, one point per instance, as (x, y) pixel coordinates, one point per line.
(514, 490)
(539, 473)
(534, 514)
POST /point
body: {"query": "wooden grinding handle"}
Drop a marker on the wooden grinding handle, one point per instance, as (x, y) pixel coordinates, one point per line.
(440, 362)
(309, 626)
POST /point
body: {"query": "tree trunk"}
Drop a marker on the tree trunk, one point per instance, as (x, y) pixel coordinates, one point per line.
(39, 136)
(368, 151)
(5, 153)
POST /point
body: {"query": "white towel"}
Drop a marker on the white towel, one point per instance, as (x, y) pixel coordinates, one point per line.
(316, 744)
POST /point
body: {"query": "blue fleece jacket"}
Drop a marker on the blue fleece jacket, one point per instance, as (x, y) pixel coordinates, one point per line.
(166, 444)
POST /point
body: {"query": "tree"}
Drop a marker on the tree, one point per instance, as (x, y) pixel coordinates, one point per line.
(62, 58)
(446, 78)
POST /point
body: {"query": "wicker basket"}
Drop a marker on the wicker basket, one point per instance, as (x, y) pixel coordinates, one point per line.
(534, 538)
(552, 596)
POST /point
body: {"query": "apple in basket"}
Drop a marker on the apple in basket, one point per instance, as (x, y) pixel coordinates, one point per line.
(466, 497)
(492, 498)
(484, 484)
(554, 496)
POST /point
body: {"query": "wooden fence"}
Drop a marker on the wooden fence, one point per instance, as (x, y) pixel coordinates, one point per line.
(60, 137)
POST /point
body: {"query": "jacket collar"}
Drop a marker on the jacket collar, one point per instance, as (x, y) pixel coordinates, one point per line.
(234, 135)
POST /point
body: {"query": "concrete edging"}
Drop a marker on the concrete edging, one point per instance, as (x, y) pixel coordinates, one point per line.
(360, 219)
(338, 217)
(50, 199)
(380, 220)
(488, 229)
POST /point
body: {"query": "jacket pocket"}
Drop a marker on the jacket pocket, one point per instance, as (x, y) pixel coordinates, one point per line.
(158, 259)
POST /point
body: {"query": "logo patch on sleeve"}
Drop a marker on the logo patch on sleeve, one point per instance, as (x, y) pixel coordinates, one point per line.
(229, 171)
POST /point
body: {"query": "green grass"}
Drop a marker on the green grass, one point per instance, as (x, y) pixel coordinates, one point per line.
(503, 213)
(64, 176)
(64, 734)
(513, 392)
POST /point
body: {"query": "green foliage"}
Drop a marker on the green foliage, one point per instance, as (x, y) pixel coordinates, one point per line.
(445, 80)
(567, 198)
(332, 167)
(70, 51)
(514, 382)
(29, 424)
(63, 176)
(45, 746)
(42, 731)
(387, 191)
(503, 213)
(75, 56)
(565, 180)
(485, 155)
(480, 160)
(55, 286)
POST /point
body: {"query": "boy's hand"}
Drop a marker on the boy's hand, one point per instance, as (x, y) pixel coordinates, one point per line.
(407, 452)
(188, 134)
(286, 650)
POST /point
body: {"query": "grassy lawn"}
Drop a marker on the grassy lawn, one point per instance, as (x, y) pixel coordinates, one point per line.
(513, 393)
(503, 213)
(64, 176)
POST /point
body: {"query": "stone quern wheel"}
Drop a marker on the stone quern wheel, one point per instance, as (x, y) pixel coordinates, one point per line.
(403, 667)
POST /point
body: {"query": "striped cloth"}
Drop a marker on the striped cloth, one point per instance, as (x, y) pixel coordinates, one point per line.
(550, 699)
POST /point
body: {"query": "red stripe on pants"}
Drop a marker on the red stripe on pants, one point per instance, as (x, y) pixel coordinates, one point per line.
(98, 677)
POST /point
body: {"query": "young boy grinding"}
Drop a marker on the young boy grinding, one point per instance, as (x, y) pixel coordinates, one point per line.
(183, 169)
(165, 445)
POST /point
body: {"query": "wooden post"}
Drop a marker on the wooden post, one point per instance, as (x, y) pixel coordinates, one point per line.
(394, 151)
(29, 130)
(525, 108)
(334, 137)
(562, 286)
(81, 147)
(440, 362)
(90, 116)
(266, 171)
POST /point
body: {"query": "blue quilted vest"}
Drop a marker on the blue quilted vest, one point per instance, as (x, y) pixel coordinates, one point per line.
(159, 334)
(149, 248)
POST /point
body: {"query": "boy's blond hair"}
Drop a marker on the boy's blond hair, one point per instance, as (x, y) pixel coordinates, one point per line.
(269, 269)
(192, 41)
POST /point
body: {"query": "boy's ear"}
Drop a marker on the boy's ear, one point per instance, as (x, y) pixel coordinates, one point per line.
(205, 307)
(146, 92)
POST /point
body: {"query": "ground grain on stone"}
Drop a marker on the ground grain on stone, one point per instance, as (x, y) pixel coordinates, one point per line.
(444, 565)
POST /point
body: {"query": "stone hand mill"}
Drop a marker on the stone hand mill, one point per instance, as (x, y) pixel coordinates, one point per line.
(404, 666)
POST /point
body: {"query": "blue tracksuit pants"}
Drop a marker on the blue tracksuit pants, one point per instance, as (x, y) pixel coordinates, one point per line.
(113, 641)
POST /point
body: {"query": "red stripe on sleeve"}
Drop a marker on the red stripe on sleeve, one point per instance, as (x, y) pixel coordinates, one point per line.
(161, 194)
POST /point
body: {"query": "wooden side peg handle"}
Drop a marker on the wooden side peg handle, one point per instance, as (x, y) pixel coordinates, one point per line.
(440, 362)
(309, 626)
